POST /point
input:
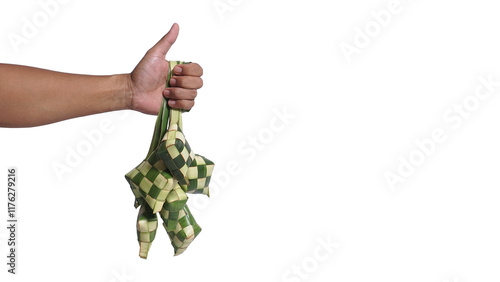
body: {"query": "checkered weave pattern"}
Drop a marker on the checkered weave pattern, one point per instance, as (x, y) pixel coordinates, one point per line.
(183, 232)
(174, 150)
(176, 201)
(151, 181)
(199, 174)
(147, 223)
(161, 181)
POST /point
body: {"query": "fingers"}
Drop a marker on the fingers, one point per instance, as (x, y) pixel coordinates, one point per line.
(167, 41)
(180, 93)
(181, 104)
(192, 69)
(188, 82)
(183, 86)
(180, 97)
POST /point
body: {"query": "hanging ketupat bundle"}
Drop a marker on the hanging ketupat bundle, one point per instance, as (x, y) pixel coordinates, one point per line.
(161, 181)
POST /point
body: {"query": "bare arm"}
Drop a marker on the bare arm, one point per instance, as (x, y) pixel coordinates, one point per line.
(31, 96)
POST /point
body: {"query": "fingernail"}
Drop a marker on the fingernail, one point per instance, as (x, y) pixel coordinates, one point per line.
(171, 102)
(166, 93)
(178, 70)
(173, 81)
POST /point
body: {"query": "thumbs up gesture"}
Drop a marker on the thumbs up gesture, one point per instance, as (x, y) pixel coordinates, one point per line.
(148, 79)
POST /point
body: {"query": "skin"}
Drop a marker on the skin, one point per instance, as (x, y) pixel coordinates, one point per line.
(33, 97)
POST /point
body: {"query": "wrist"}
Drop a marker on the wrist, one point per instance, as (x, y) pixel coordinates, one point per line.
(124, 91)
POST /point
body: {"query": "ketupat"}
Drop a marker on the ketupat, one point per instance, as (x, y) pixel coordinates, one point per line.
(147, 223)
(161, 181)
(151, 182)
(199, 174)
(183, 231)
(175, 151)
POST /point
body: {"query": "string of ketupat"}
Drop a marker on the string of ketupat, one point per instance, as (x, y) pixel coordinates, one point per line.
(161, 181)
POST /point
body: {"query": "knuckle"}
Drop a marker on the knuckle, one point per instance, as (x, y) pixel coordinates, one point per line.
(185, 105)
(199, 69)
(195, 69)
(179, 81)
(173, 92)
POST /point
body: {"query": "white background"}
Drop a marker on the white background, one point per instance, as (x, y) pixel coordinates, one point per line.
(321, 177)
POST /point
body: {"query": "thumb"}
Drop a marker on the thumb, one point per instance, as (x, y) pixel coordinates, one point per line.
(167, 41)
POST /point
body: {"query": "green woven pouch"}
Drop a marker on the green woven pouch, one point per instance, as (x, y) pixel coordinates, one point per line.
(147, 223)
(184, 230)
(174, 150)
(152, 182)
(199, 174)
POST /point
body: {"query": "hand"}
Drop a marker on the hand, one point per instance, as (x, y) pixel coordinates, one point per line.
(148, 79)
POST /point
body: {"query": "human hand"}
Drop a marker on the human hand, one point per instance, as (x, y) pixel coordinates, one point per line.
(148, 79)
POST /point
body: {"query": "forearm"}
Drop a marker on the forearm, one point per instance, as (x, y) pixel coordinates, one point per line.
(31, 96)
